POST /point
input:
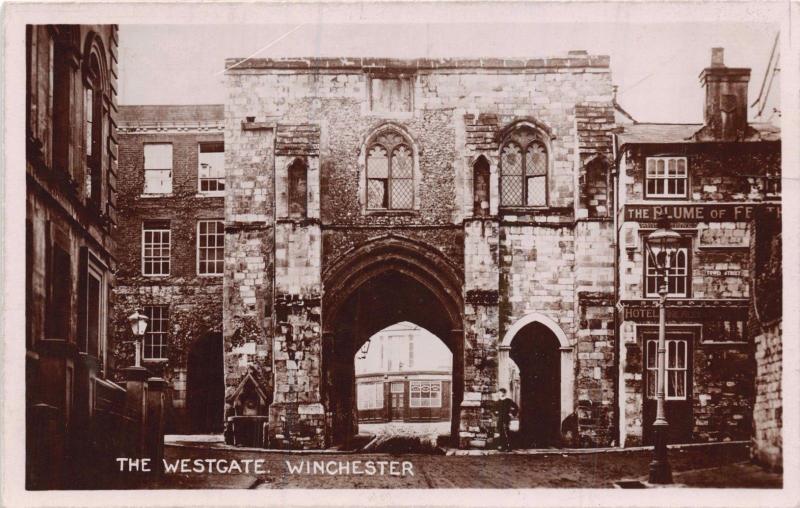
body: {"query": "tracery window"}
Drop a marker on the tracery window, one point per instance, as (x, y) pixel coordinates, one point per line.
(390, 173)
(523, 170)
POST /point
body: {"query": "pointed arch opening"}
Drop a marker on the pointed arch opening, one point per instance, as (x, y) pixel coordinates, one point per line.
(524, 168)
(390, 170)
(481, 187)
(536, 366)
(385, 282)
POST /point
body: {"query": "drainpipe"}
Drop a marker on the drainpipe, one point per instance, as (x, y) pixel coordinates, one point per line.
(617, 324)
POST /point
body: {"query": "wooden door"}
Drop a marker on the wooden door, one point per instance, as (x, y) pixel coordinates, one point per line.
(397, 401)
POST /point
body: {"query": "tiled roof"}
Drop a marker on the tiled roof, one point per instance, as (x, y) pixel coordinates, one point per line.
(172, 113)
(662, 133)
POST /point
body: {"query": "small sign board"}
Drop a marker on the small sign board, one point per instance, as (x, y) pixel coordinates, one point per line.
(691, 214)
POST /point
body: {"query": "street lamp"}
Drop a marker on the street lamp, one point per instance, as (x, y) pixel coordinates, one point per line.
(661, 245)
(138, 322)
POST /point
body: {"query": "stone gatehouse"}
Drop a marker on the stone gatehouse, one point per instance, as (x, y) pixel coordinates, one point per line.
(469, 197)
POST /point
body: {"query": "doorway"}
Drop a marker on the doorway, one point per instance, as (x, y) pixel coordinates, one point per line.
(205, 385)
(536, 352)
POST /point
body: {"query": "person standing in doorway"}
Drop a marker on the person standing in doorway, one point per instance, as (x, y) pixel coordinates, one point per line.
(505, 409)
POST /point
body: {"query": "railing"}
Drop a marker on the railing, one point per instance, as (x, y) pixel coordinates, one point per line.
(113, 431)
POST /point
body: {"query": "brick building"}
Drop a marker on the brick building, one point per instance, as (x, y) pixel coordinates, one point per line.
(172, 187)
(73, 411)
(465, 196)
(403, 373)
(711, 180)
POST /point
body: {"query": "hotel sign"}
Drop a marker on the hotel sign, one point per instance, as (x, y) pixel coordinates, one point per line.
(694, 213)
(647, 312)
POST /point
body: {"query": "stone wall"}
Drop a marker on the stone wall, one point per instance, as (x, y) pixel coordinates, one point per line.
(515, 262)
(766, 325)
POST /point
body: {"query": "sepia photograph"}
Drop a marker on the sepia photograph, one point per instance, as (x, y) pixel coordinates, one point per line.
(346, 252)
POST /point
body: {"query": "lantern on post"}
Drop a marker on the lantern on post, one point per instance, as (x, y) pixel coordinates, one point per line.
(661, 245)
(138, 323)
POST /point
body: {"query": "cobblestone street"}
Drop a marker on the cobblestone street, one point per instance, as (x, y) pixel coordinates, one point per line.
(714, 466)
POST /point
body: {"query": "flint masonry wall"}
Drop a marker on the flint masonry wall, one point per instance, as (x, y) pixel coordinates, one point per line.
(514, 263)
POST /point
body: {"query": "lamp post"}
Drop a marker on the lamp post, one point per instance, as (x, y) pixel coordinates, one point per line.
(661, 245)
(138, 322)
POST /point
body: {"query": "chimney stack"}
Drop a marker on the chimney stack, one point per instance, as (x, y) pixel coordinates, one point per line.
(725, 115)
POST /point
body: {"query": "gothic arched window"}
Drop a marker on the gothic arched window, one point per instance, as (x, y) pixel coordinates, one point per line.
(390, 173)
(523, 171)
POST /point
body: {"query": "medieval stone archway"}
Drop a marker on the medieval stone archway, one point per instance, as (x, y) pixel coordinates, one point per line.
(540, 350)
(388, 280)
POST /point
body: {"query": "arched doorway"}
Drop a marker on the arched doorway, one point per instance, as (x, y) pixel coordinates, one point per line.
(387, 281)
(205, 385)
(536, 363)
(535, 350)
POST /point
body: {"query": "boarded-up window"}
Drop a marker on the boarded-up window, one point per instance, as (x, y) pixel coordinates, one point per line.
(390, 94)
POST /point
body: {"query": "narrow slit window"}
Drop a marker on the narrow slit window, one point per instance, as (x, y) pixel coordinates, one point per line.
(298, 189)
(480, 201)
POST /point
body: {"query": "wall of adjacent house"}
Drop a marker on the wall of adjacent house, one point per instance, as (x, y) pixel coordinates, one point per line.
(194, 301)
(720, 276)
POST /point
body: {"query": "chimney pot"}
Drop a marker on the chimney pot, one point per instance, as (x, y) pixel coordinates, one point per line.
(725, 111)
(717, 57)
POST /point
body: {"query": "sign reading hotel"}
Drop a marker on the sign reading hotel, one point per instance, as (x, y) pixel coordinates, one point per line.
(694, 213)
(643, 311)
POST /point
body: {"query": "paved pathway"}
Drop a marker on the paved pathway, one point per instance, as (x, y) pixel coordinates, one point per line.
(719, 466)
